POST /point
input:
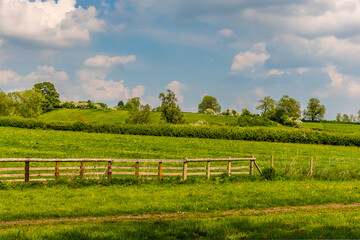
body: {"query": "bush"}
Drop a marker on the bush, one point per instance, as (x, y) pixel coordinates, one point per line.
(286, 135)
(250, 121)
(269, 174)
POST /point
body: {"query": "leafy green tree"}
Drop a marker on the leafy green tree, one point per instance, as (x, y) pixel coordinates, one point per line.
(4, 104)
(339, 117)
(314, 111)
(209, 102)
(267, 104)
(246, 112)
(133, 103)
(345, 118)
(51, 95)
(171, 112)
(27, 104)
(121, 105)
(142, 116)
(103, 105)
(289, 106)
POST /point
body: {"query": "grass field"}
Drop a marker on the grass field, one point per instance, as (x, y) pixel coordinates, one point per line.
(330, 162)
(293, 206)
(109, 116)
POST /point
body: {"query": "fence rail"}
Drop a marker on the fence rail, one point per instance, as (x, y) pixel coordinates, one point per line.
(135, 170)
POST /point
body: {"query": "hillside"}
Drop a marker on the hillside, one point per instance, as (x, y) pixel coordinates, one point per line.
(109, 116)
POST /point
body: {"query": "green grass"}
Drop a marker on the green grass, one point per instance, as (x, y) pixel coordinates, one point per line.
(330, 162)
(61, 201)
(110, 116)
(335, 127)
(284, 226)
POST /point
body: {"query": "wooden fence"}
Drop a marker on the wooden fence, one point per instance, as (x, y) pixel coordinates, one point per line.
(163, 168)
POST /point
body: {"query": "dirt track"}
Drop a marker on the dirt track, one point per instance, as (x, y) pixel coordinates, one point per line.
(185, 215)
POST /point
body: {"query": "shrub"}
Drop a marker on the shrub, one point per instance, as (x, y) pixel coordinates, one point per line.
(269, 174)
(250, 121)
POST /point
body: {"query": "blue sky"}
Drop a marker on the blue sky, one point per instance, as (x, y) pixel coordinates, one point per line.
(235, 50)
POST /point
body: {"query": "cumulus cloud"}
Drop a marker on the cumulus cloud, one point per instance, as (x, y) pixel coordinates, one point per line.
(103, 61)
(177, 87)
(95, 85)
(275, 72)
(250, 59)
(227, 33)
(53, 23)
(12, 81)
(346, 85)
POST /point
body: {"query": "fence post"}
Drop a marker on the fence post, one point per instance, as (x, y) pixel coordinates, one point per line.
(137, 170)
(185, 169)
(272, 161)
(311, 166)
(160, 170)
(208, 170)
(109, 169)
(252, 165)
(27, 171)
(57, 168)
(82, 170)
(229, 168)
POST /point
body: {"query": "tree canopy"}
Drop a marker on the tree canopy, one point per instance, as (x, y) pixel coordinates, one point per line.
(314, 111)
(48, 90)
(171, 112)
(209, 102)
(267, 104)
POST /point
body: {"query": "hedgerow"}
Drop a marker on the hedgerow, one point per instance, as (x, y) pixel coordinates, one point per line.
(285, 135)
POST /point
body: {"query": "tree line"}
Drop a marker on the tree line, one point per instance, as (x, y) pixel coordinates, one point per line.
(43, 97)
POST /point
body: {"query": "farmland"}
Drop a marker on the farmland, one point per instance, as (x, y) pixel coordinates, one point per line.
(222, 208)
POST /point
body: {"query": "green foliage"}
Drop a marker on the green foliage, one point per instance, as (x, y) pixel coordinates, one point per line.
(314, 111)
(142, 116)
(103, 105)
(251, 121)
(131, 104)
(171, 112)
(290, 106)
(27, 104)
(267, 104)
(269, 173)
(4, 104)
(209, 102)
(213, 132)
(48, 90)
(246, 112)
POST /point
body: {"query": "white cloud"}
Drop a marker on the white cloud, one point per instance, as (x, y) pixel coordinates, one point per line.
(245, 60)
(302, 70)
(138, 91)
(275, 72)
(177, 87)
(311, 17)
(12, 81)
(103, 61)
(341, 84)
(94, 84)
(227, 33)
(52, 23)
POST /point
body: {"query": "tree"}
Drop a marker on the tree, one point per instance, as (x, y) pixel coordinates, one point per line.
(209, 102)
(133, 103)
(4, 104)
(171, 112)
(290, 107)
(121, 104)
(27, 104)
(314, 111)
(51, 95)
(339, 117)
(267, 104)
(345, 118)
(358, 117)
(142, 116)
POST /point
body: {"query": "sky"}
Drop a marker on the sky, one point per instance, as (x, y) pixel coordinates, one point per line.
(238, 51)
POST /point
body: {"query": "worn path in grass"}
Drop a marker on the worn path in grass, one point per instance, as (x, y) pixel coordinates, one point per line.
(191, 215)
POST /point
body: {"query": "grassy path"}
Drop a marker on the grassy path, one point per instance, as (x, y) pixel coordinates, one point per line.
(188, 215)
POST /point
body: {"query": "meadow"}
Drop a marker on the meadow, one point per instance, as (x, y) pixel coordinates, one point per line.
(295, 205)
